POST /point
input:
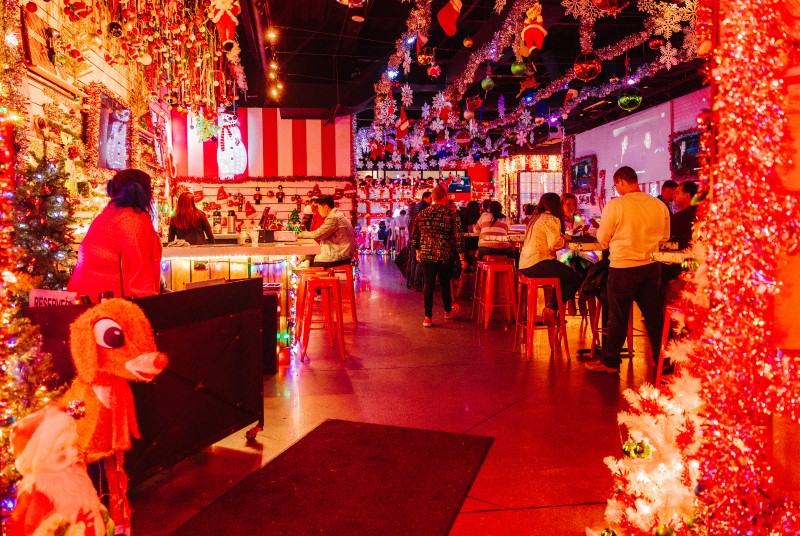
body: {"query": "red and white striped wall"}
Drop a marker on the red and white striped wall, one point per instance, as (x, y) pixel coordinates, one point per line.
(275, 147)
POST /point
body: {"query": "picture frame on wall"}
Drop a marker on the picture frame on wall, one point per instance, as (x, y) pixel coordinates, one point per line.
(583, 175)
(39, 44)
(685, 155)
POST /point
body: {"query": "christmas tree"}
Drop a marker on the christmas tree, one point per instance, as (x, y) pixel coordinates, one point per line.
(23, 367)
(42, 224)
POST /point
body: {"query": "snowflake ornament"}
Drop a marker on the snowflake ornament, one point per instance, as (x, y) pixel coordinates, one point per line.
(426, 110)
(439, 101)
(406, 62)
(669, 56)
(406, 95)
(499, 5)
(485, 162)
(437, 125)
(488, 147)
(525, 118)
(583, 10)
(689, 47)
(381, 166)
(466, 161)
(667, 23)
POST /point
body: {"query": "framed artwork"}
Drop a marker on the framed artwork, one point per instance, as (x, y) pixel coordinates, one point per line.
(39, 44)
(685, 155)
(583, 175)
(110, 131)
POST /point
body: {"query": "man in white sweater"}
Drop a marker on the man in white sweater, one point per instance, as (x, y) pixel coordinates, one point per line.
(631, 228)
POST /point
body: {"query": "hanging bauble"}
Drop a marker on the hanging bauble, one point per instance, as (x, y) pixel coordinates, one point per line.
(31, 7)
(518, 68)
(487, 83)
(664, 530)
(511, 137)
(656, 42)
(613, 79)
(462, 139)
(434, 71)
(426, 140)
(469, 115)
(611, 7)
(587, 66)
(95, 40)
(629, 448)
(425, 56)
(629, 99)
(145, 59)
(468, 42)
(608, 532)
(114, 29)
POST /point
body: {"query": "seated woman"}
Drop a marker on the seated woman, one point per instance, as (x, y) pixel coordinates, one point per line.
(492, 228)
(121, 252)
(544, 236)
(190, 223)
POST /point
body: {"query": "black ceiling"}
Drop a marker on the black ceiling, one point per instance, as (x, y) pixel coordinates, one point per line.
(328, 62)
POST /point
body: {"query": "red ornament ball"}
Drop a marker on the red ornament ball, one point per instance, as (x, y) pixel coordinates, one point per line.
(31, 7)
(656, 42)
(612, 7)
(587, 66)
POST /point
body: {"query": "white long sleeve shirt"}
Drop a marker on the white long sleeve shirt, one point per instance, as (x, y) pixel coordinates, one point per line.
(631, 228)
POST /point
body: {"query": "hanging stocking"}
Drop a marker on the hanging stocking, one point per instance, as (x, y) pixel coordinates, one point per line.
(448, 16)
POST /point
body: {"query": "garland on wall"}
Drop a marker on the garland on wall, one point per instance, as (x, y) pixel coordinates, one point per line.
(732, 374)
(240, 180)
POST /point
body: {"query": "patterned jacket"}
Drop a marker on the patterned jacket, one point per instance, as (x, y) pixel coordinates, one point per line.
(437, 234)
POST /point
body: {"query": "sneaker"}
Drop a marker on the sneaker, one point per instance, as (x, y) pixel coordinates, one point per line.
(550, 316)
(427, 322)
(452, 313)
(598, 366)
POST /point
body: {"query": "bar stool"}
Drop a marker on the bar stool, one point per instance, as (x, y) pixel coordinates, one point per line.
(303, 275)
(349, 282)
(497, 273)
(531, 295)
(332, 316)
(400, 241)
(598, 331)
(669, 312)
(479, 283)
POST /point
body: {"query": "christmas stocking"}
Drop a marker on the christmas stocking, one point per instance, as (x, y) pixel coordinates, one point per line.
(448, 16)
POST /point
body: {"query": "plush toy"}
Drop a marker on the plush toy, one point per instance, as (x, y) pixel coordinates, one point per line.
(112, 343)
(55, 495)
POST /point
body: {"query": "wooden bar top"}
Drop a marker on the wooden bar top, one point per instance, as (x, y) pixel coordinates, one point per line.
(301, 247)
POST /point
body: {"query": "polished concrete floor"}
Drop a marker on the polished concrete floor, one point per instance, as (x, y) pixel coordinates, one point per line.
(552, 421)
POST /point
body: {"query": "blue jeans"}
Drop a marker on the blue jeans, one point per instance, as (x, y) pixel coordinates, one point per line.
(641, 284)
(570, 280)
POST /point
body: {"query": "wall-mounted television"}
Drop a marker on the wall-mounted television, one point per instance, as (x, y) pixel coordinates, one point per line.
(460, 185)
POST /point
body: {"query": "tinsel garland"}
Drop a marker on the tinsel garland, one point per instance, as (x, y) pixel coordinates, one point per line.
(749, 226)
(748, 378)
(240, 180)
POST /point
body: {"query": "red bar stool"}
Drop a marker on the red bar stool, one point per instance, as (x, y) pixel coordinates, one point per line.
(531, 295)
(669, 312)
(303, 275)
(498, 277)
(332, 316)
(400, 241)
(350, 291)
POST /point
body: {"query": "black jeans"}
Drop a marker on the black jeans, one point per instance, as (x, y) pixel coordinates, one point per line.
(331, 264)
(444, 271)
(641, 284)
(570, 280)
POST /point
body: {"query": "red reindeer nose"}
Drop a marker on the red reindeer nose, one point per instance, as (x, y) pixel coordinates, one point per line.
(161, 361)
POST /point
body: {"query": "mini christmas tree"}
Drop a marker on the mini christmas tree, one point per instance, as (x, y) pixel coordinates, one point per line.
(42, 224)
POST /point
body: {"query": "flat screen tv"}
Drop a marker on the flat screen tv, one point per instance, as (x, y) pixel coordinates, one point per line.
(460, 185)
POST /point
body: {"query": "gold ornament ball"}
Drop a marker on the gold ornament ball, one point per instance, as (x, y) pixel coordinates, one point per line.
(469, 114)
(468, 42)
(95, 40)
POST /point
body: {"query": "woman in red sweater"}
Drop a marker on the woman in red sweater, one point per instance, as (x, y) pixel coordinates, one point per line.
(121, 252)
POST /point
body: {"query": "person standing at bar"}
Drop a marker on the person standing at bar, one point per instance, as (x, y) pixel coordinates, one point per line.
(438, 242)
(190, 223)
(121, 252)
(631, 228)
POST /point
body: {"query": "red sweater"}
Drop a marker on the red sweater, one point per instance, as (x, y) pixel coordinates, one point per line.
(118, 235)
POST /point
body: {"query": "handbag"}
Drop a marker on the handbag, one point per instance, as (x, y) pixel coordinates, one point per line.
(401, 259)
(596, 277)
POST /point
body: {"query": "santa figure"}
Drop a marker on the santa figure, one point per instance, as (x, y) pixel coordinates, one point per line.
(225, 15)
(231, 152)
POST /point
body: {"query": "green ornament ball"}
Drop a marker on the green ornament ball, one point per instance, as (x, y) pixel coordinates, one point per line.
(664, 530)
(629, 448)
(643, 450)
(487, 83)
(518, 68)
(608, 532)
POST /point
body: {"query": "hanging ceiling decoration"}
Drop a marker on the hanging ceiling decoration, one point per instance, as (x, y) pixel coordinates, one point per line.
(629, 98)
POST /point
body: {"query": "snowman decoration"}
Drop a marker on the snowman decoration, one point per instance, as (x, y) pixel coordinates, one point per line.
(231, 153)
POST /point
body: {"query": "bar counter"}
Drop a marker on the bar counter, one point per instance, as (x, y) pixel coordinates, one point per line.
(193, 266)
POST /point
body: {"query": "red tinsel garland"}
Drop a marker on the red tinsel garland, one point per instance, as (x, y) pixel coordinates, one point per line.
(243, 179)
